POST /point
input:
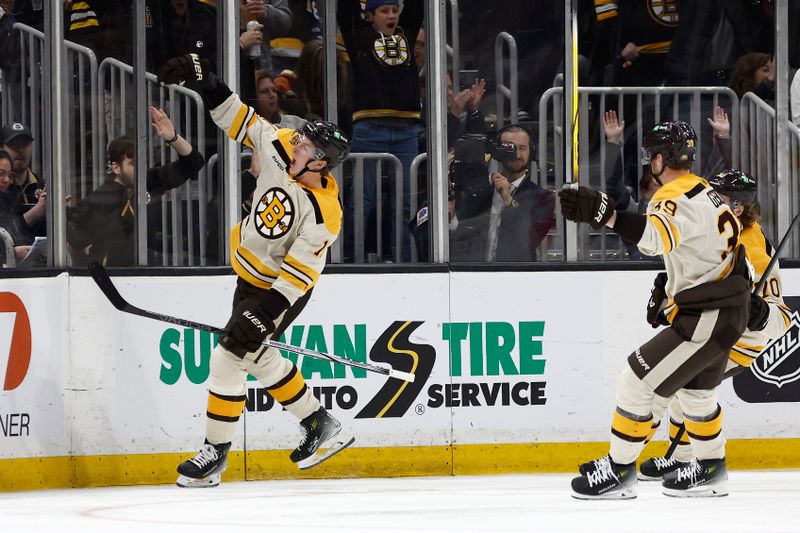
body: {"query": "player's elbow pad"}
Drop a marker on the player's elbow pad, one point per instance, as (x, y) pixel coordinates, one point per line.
(630, 226)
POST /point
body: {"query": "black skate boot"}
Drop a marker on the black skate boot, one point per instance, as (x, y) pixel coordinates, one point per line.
(698, 479)
(608, 481)
(654, 469)
(320, 432)
(204, 469)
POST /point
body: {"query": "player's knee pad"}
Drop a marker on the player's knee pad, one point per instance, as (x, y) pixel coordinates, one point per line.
(633, 395)
(226, 374)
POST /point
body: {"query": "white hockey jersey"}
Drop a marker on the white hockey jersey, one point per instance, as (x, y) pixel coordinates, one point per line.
(694, 230)
(759, 253)
(282, 244)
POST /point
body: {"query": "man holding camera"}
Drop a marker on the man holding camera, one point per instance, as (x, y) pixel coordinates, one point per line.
(522, 212)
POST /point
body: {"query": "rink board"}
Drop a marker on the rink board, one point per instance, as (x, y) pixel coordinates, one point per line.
(515, 373)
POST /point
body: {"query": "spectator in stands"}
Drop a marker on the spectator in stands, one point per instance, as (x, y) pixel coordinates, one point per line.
(188, 26)
(506, 217)
(102, 226)
(306, 26)
(310, 72)
(275, 17)
(267, 104)
(754, 73)
(387, 107)
(9, 220)
(464, 113)
(419, 50)
(27, 190)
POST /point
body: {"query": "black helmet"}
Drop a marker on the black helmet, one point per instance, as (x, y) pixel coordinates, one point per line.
(329, 139)
(737, 185)
(675, 140)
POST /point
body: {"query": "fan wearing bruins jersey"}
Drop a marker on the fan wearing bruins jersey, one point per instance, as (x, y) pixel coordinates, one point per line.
(278, 252)
(769, 317)
(707, 288)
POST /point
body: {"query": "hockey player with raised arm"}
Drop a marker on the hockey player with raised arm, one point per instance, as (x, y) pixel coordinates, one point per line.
(278, 252)
(708, 307)
(769, 316)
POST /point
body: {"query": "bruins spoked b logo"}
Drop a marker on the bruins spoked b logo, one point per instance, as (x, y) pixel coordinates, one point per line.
(392, 50)
(274, 214)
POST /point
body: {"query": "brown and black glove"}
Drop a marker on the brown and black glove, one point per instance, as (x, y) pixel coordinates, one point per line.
(195, 73)
(249, 326)
(586, 205)
(759, 313)
(658, 294)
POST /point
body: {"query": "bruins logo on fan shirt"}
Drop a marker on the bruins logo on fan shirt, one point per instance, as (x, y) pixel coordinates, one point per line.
(274, 214)
(664, 11)
(392, 50)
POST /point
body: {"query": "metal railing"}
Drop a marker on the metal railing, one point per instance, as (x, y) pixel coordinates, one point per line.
(359, 230)
(758, 129)
(504, 91)
(650, 106)
(25, 103)
(10, 260)
(187, 112)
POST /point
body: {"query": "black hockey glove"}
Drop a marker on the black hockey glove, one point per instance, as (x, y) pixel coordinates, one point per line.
(655, 314)
(586, 205)
(248, 327)
(190, 70)
(759, 313)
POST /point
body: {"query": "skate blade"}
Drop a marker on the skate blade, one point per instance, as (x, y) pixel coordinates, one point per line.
(705, 491)
(643, 477)
(627, 494)
(191, 483)
(334, 446)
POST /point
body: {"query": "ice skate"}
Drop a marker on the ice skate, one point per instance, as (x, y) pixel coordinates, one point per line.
(698, 479)
(322, 438)
(204, 469)
(655, 468)
(608, 481)
(591, 466)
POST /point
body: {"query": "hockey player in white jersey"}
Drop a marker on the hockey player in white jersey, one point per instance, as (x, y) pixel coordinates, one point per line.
(708, 307)
(769, 317)
(278, 252)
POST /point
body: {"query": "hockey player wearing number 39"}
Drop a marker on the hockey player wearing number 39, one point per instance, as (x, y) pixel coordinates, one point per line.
(278, 252)
(769, 316)
(708, 307)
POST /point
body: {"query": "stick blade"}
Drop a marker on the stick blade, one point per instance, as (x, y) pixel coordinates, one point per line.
(103, 281)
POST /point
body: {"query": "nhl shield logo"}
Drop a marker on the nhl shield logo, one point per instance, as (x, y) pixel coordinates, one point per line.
(775, 375)
(274, 214)
(776, 364)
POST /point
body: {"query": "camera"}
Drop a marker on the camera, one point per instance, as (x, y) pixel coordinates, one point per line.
(503, 152)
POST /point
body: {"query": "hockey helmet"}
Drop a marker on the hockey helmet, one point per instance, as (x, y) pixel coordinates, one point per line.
(675, 140)
(332, 144)
(737, 185)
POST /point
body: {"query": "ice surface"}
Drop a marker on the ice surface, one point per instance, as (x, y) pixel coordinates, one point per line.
(759, 501)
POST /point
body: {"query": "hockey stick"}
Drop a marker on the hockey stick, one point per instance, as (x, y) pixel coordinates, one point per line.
(760, 285)
(104, 283)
